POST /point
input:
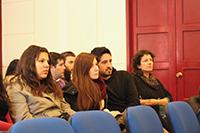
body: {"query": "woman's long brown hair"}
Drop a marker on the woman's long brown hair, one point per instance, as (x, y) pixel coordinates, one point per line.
(27, 70)
(89, 95)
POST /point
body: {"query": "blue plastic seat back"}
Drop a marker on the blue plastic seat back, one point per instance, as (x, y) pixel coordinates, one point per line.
(183, 118)
(143, 119)
(94, 122)
(42, 125)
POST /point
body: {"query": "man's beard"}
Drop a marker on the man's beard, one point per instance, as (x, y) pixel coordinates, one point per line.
(106, 74)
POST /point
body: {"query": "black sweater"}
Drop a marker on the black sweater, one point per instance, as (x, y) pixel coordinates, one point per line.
(121, 91)
(146, 91)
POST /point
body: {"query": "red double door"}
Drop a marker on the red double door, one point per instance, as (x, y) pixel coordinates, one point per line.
(171, 30)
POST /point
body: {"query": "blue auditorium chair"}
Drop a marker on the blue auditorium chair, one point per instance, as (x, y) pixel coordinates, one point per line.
(183, 118)
(143, 119)
(42, 125)
(94, 122)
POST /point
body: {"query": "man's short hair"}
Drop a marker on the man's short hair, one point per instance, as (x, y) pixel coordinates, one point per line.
(54, 57)
(99, 51)
(68, 53)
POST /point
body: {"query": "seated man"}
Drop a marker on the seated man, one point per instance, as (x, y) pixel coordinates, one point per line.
(69, 64)
(57, 71)
(57, 67)
(121, 89)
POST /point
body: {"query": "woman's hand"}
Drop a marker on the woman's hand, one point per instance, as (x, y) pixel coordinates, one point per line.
(152, 102)
(148, 102)
(165, 131)
(113, 113)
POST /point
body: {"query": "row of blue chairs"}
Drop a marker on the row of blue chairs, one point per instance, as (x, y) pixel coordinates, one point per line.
(81, 122)
(140, 119)
(143, 119)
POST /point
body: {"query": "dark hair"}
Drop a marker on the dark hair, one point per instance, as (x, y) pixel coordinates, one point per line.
(12, 67)
(27, 70)
(194, 102)
(89, 94)
(3, 94)
(137, 59)
(99, 51)
(54, 57)
(68, 53)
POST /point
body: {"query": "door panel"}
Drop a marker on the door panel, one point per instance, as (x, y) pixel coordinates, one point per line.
(151, 12)
(163, 76)
(191, 47)
(156, 40)
(188, 47)
(151, 26)
(191, 82)
(0, 37)
(190, 10)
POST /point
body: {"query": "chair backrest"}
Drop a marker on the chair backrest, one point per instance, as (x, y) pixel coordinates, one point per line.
(143, 119)
(183, 118)
(94, 122)
(42, 125)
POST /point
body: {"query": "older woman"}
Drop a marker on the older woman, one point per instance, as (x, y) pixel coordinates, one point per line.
(33, 93)
(150, 90)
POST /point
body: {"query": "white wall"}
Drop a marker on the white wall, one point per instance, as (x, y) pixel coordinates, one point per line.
(61, 25)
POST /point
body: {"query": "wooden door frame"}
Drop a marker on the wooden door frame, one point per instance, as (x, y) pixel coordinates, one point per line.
(1, 36)
(129, 33)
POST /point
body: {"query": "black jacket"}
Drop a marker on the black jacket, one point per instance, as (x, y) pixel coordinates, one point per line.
(70, 94)
(145, 91)
(121, 91)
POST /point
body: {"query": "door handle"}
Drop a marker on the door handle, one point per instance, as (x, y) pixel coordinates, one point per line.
(179, 74)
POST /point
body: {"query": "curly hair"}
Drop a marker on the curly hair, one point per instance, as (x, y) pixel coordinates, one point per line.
(137, 59)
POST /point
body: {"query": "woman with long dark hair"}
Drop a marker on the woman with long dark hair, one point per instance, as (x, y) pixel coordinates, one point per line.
(33, 93)
(86, 91)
